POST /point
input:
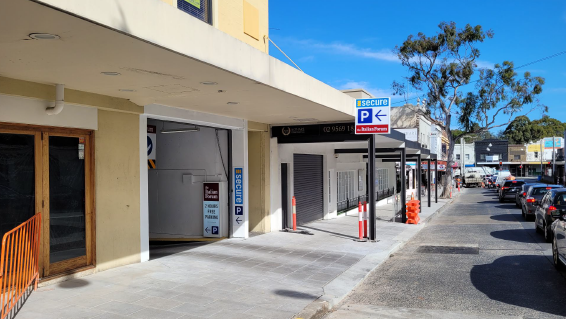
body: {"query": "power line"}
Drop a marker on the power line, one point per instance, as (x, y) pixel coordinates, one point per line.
(519, 67)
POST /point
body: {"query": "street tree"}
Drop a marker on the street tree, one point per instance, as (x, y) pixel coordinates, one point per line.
(522, 131)
(443, 64)
(549, 126)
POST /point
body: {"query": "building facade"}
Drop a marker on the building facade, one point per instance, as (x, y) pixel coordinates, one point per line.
(490, 152)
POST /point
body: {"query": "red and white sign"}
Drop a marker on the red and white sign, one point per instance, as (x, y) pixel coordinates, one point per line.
(373, 116)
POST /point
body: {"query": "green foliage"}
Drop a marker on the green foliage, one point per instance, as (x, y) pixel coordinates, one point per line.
(522, 130)
(499, 92)
(550, 127)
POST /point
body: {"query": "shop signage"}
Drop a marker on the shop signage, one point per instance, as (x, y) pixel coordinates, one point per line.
(313, 130)
(441, 165)
(373, 116)
(211, 210)
(239, 194)
(151, 142)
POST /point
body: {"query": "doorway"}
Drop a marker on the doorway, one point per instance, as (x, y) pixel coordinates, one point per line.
(50, 170)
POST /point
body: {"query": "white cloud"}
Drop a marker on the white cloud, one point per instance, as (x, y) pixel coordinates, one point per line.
(307, 58)
(485, 64)
(348, 49)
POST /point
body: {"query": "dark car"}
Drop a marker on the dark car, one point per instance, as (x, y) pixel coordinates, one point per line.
(522, 193)
(552, 204)
(533, 197)
(509, 189)
(559, 231)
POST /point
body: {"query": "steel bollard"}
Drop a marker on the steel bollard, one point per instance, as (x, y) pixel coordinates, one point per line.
(294, 214)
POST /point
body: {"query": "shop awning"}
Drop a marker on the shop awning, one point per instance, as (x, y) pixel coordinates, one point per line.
(163, 56)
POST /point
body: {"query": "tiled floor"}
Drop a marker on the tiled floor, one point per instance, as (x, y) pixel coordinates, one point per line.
(274, 275)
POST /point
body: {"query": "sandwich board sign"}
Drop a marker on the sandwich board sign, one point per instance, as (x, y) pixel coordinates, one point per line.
(373, 116)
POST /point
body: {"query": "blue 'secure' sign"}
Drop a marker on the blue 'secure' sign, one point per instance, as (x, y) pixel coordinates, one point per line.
(239, 186)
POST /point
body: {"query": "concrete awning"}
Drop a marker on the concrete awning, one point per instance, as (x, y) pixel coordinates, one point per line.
(163, 56)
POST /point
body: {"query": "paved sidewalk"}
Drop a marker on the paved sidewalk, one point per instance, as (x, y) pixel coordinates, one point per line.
(275, 275)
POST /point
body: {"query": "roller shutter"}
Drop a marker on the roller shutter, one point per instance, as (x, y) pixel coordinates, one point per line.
(308, 187)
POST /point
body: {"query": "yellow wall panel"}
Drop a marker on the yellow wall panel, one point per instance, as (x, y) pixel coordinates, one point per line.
(117, 189)
(230, 18)
(251, 20)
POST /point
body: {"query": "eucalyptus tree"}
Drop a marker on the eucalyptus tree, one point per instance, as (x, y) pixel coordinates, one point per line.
(443, 65)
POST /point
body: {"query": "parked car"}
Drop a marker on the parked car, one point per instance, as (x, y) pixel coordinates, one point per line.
(509, 189)
(533, 197)
(546, 209)
(522, 193)
(559, 231)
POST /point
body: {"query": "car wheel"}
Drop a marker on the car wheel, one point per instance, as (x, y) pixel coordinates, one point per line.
(547, 233)
(556, 261)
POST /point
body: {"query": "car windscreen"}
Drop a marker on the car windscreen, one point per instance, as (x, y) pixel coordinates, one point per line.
(514, 183)
(540, 190)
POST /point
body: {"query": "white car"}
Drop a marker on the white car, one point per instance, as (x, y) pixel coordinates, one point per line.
(501, 177)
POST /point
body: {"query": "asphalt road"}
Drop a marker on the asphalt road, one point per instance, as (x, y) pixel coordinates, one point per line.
(492, 264)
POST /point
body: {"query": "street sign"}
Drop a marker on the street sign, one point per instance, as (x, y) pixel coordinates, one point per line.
(211, 210)
(373, 116)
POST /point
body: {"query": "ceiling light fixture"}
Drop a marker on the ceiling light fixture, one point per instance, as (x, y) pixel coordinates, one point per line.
(233, 103)
(110, 73)
(208, 83)
(44, 36)
(181, 130)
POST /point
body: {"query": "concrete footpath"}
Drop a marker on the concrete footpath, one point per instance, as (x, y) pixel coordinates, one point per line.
(275, 275)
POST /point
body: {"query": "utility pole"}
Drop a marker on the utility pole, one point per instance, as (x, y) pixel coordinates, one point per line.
(541, 156)
(462, 163)
(554, 176)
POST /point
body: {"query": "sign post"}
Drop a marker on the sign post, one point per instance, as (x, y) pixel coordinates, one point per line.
(372, 117)
(238, 196)
(211, 210)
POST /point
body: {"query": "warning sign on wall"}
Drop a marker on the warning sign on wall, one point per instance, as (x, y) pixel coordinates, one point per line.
(151, 146)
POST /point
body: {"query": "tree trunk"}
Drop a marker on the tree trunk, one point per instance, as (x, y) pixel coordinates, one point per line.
(447, 178)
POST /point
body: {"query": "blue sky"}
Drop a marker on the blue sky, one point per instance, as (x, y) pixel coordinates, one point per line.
(349, 46)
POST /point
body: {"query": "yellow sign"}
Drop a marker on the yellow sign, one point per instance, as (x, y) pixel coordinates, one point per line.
(194, 3)
(533, 148)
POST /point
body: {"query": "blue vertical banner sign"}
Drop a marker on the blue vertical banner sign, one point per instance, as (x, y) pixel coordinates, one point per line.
(239, 195)
(211, 210)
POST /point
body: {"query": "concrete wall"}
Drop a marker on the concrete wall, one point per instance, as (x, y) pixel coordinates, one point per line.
(175, 189)
(117, 189)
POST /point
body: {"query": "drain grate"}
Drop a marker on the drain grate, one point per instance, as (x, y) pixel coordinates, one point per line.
(452, 250)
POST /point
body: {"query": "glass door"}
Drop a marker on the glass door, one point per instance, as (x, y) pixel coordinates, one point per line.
(66, 180)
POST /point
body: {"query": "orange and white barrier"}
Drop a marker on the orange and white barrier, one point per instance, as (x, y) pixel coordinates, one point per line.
(294, 214)
(360, 221)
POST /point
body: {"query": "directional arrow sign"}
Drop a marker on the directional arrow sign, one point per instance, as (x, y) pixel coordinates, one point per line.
(238, 220)
(206, 229)
(379, 115)
(373, 116)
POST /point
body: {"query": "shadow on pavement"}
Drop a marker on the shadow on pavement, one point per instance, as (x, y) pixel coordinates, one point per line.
(330, 232)
(507, 217)
(541, 287)
(295, 294)
(518, 235)
(158, 249)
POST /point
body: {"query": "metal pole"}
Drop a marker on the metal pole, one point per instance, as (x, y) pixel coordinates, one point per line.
(541, 156)
(371, 184)
(436, 180)
(553, 161)
(403, 186)
(428, 180)
(419, 177)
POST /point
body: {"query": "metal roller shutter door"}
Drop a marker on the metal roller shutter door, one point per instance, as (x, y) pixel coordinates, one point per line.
(308, 187)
